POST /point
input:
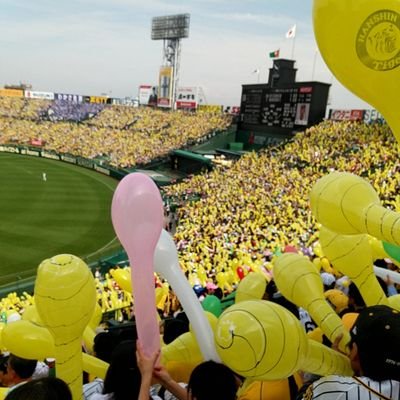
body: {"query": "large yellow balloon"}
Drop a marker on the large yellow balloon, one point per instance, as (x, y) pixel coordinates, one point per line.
(180, 371)
(264, 341)
(352, 255)
(183, 349)
(349, 205)
(251, 287)
(28, 340)
(299, 281)
(31, 314)
(94, 366)
(65, 296)
(96, 317)
(360, 42)
(378, 252)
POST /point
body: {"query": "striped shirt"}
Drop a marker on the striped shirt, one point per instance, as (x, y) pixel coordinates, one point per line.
(336, 387)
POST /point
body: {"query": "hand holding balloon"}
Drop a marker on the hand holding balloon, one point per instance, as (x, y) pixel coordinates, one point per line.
(137, 216)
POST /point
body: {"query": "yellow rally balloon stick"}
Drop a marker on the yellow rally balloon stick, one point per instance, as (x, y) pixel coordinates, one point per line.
(183, 349)
(352, 255)
(360, 42)
(29, 340)
(251, 287)
(300, 282)
(348, 204)
(65, 297)
(261, 340)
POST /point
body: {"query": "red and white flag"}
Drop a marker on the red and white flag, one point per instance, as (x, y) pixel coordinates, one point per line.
(291, 33)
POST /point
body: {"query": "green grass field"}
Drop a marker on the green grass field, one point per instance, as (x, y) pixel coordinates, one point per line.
(68, 213)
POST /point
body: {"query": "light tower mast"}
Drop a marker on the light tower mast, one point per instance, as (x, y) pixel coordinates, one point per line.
(171, 29)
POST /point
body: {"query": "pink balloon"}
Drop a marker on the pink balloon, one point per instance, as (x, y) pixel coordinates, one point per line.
(137, 216)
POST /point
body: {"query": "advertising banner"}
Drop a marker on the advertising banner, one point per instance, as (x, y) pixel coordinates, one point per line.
(145, 91)
(36, 142)
(98, 99)
(186, 98)
(165, 87)
(30, 94)
(346, 115)
(12, 92)
(209, 108)
(73, 98)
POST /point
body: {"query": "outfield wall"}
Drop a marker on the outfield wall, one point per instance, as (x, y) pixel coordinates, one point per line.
(98, 166)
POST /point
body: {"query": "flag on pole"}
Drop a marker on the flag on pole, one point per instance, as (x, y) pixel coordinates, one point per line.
(291, 33)
(274, 54)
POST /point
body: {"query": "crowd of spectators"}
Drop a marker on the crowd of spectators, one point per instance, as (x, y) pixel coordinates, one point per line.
(254, 209)
(125, 136)
(238, 218)
(62, 110)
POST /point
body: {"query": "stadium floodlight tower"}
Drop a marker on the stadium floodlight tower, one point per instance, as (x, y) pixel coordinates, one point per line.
(171, 29)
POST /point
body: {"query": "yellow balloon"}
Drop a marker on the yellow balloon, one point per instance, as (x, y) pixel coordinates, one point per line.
(318, 251)
(180, 371)
(28, 340)
(268, 390)
(183, 349)
(378, 252)
(349, 205)
(3, 392)
(88, 338)
(94, 366)
(326, 266)
(322, 360)
(261, 340)
(317, 262)
(251, 287)
(96, 317)
(316, 334)
(257, 339)
(352, 255)
(161, 298)
(123, 277)
(31, 314)
(394, 302)
(365, 35)
(65, 296)
(299, 281)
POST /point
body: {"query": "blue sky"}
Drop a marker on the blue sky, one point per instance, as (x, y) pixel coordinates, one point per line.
(104, 46)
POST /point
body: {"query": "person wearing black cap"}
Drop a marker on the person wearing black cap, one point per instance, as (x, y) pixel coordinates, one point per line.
(375, 359)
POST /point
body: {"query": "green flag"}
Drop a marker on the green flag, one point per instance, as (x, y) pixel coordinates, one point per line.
(274, 54)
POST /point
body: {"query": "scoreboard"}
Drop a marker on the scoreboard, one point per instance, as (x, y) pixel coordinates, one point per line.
(284, 109)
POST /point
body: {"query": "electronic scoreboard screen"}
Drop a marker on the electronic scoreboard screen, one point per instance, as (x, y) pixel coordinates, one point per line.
(286, 108)
(283, 108)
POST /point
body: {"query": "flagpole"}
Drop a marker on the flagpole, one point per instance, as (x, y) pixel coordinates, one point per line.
(293, 43)
(314, 63)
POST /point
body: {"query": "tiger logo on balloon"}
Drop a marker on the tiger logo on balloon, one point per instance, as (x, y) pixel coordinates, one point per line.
(378, 41)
